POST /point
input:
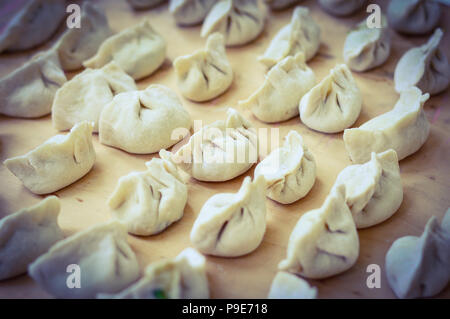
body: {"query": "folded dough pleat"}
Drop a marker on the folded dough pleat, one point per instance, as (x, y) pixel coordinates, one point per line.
(232, 225)
(57, 163)
(27, 234)
(106, 262)
(404, 129)
(139, 50)
(190, 12)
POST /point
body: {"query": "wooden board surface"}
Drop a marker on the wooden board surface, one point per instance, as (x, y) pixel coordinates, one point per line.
(425, 175)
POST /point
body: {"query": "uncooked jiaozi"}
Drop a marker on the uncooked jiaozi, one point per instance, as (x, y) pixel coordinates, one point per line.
(324, 242)
(334, 104)
(144, 4)
(27, 234)
(342, 7)
(240, 21)
(232, 225)
(29, 91)
(190, 12)
(206, 73)
(139, 50)
(34, 24)
(426, 67)
(150, 201)
(418, 267)
(285, 84)
(280, 4)
(220, 151)
(289, 286)
(404, 129)
(289, 171)
(413, 16)
(302, 34)
(373, 190)
(183, 277)
(58, 162)
(366, 48)
(79, 44)
(100, 255)
(143, 122)
(84, 96)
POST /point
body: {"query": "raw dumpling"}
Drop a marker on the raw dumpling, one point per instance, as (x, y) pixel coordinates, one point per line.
(143, 122)
(425, 67)
(302, 34)
(289, 171)
(373, 191)
(144, 4)
(57, 163)
(280, 4)
(413, 16)
(85, 95)
(34, 24)
(366, 48)
(148, 202)
(240, 21)
(342, 7)
(106, 262)
(220, 151)
(205, 74)
(29, 91)
(138, 50)
(190, 12)
(232, 225)
(79, 44)
(27, 234)
(278, 98)
(289, 286)
(324, 242)
(183, 277)
(334, 104)
(418, 267)
(404, 129)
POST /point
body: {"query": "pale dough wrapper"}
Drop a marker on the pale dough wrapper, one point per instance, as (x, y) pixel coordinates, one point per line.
(418, 267)
(413, 16)
(28, 91)
(285, 84)
(425, 67)
(27, 234)
(373, 190)
(240, 21)
(84, 96)
(33, 25)
(342, 7)
(190, 12)
(280, 4)
(144, 122)
(324, 242)
(334, 104)
(57, 163)
(220, 151)
(289, 171)
(79, 44)
(107, 264)
(404, 129)
(139, 50)
(288, 286)
(367, 48)
(150, 201)
(205, 74)
(182, 277)
(302, 34)
(144, 4)
(232, 225)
